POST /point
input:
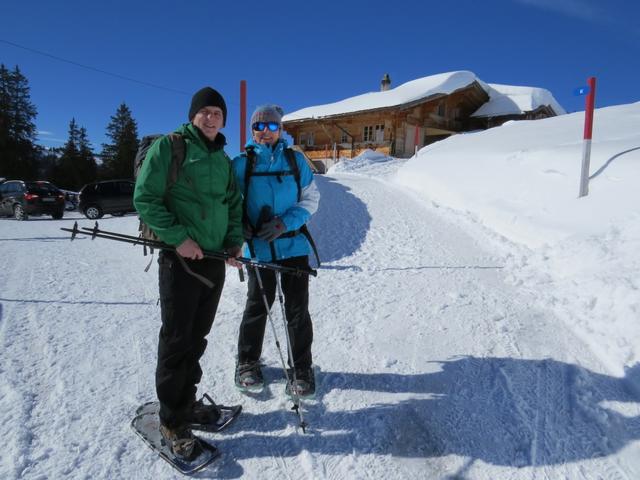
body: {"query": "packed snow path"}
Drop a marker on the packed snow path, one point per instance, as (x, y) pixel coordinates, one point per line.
(431, 364)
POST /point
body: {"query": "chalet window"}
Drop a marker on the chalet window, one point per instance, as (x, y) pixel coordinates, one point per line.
(442, 109)
(368, 134)
(344, 138)
(374, 133)
(306, 138)
(379, 133)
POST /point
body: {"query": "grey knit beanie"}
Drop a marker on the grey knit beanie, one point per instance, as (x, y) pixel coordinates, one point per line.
(267, 113)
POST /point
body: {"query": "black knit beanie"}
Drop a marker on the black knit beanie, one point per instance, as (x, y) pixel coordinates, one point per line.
(207, 97)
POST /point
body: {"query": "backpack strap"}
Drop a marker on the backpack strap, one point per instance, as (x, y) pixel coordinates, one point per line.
(250, 165)
(293, 166)
(178, 156)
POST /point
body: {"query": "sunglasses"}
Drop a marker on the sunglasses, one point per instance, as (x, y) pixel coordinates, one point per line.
(260, 126)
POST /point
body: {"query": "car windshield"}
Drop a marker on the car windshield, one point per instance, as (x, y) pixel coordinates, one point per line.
(41, 188)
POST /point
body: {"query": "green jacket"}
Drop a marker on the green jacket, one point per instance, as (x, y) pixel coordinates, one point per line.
(204, 204)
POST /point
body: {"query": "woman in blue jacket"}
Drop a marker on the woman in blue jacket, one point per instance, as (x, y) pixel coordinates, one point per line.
(276, 206)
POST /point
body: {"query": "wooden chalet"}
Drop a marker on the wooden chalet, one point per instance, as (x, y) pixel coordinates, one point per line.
(392, 124)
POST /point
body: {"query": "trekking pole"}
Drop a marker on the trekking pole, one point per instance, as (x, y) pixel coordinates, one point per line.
(157, 244)
(293, 391)
(95, 231)
(296, 400)
(265, 215)
(135, 240)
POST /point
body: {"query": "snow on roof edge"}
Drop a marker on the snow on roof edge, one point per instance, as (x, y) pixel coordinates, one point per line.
(405, 93)
(504, 99)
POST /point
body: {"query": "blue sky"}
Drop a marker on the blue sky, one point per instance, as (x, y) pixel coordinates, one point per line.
(300, 54)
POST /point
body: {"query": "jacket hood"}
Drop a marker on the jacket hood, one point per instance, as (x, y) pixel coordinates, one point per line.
(260, 149)
(190, 131)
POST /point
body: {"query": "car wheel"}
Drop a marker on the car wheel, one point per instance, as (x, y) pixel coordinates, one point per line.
(93, 212)
(19, 213)
(57, 215)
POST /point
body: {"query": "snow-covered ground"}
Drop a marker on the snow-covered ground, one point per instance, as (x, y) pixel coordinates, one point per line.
(522, 181)
(454, 340)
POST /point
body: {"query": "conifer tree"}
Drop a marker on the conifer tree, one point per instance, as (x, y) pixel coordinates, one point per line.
(77, 165)
(64, 175)
(87, 167)
(5, 126)
(119, 155)
(18, 151)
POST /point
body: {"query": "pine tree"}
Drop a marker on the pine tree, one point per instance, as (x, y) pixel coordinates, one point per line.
(5, 124)
(64, 175)
(18, 151)
(77, 165)
(87, 167)
(24, 112)
(119, 155)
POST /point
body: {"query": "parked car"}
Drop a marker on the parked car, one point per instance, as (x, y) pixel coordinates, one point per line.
(109, 196)
(70, 199)
(21, 199)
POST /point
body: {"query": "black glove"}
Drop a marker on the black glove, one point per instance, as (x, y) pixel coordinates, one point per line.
(271, 230)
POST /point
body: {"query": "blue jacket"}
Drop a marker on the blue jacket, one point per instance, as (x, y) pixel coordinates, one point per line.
(281, 194)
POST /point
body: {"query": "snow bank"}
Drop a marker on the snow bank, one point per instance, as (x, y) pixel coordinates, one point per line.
(365, 159)
(521, 180)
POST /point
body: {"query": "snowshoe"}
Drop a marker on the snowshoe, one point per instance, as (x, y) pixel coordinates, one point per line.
(304, 384)
(211, 417)
(226, 416)
(147, 426)
(248, 377)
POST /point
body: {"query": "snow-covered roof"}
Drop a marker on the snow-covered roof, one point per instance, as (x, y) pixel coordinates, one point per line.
(504, 99)
(444, 83)
(511, 100)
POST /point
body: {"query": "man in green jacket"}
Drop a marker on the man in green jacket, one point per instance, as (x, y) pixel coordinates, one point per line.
(202, 210)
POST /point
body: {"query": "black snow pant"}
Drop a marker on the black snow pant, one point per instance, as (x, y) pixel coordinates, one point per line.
(188, 308)
(296, 298)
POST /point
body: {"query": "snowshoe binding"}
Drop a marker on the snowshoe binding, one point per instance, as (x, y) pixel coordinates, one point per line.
(248, 377)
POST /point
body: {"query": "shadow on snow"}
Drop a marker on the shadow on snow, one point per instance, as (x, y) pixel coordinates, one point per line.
(503, 411)
(340, 225)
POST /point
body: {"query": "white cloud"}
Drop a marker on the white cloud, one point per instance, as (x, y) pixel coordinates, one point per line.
(584, 9)
(48, 137)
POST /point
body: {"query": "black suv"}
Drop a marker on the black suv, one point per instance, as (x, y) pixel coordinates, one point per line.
(21, 199)
(110, 196)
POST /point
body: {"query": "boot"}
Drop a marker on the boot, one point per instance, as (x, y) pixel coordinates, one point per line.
(305, 383)
(180, 440)
(201, 413)
(211, 417)
(249, 376)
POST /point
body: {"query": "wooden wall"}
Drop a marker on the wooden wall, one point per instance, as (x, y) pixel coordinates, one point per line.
(435, 117)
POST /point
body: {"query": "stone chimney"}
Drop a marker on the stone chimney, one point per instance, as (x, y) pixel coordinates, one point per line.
(385, 84)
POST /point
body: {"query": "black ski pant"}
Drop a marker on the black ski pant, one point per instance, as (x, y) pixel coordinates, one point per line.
(296, 301)
(188, 308)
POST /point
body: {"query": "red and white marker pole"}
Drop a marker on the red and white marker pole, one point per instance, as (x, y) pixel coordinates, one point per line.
(588, 130)
(243, 114)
